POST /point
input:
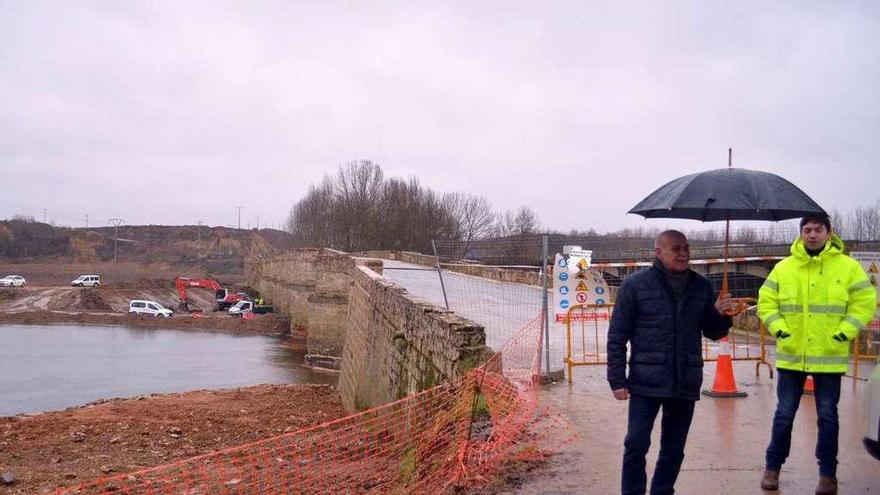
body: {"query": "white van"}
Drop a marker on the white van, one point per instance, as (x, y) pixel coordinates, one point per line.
(86, 281)
(13, 281)
(138, 307)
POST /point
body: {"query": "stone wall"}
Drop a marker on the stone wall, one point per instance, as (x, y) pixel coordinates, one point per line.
(386, 343)
(397, 345)
(310, 287)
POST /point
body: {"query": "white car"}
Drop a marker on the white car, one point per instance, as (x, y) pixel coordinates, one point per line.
(872, 413)
(138, 307)
(86, 281)
(13, 281)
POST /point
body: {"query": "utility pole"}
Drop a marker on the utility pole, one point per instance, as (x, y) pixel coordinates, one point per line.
(116, 222)
(87, 220)
(239, 216)
(200, 246)
(258, 222)
(44, 216)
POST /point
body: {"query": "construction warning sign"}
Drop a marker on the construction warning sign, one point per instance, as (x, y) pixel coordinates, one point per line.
(570, 276)
(870, 261)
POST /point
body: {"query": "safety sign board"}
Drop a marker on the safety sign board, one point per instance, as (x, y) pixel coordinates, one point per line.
(574, 276)
(870, 261)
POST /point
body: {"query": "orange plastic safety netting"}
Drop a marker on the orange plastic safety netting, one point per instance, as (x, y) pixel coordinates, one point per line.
(448, 435)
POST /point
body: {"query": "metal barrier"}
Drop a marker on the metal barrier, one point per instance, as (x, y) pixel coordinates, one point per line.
(586, 330)
(592, 316)
(743, 340)
(869, 350)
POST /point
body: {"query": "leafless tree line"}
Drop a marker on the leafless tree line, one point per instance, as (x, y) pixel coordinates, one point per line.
(358, 208)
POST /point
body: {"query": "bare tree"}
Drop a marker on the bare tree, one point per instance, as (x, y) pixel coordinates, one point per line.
(522, 222)
(471, 217)
(525, 221)
(358, 186)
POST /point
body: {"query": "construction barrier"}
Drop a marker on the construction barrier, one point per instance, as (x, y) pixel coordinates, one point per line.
(724, 385)
(866, 348)
(586, 331)
(454, 434)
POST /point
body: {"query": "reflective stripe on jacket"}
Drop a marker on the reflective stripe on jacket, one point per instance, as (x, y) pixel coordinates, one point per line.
(814, 298)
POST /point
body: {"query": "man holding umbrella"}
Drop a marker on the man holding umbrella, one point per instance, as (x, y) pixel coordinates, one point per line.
(662, 312)
(814, 302)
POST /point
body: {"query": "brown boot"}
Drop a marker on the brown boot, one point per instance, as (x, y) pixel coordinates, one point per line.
(827, 485)
(770, 481)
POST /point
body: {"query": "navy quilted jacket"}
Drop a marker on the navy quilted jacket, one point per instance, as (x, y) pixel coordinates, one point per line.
(665, 338)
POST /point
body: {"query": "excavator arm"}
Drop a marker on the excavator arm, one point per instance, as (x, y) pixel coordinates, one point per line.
(183, 283)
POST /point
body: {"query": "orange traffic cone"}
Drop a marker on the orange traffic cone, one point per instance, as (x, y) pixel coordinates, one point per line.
(809, 387)
(725, 383)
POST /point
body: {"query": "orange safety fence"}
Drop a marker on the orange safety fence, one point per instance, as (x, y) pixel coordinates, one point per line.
(454, 434)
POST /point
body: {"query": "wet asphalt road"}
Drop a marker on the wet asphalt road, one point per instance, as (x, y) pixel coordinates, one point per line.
(725, 450)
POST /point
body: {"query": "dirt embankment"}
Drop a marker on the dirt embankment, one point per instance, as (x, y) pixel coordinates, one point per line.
(109, 306)
(262, 324)
(106, 438)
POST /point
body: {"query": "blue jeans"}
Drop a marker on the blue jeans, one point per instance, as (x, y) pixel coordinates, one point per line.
(674, 427)
(789, 388)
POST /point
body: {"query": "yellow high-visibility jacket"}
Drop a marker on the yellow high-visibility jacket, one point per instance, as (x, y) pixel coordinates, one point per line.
(813, 299)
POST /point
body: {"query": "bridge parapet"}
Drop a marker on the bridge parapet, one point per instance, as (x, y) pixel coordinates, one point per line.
(697, 252)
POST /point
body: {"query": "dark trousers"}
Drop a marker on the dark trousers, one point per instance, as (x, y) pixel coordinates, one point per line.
(789, 388)
(674, 426)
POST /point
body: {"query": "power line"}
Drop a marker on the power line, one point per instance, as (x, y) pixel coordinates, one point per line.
(239, 216)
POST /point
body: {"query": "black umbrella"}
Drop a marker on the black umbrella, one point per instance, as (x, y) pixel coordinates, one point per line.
(728, 194)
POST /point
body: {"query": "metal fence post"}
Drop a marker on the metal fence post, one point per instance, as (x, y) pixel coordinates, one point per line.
(440, 273)
(544, 306)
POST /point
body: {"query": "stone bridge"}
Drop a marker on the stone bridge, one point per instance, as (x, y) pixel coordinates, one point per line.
(387, 344)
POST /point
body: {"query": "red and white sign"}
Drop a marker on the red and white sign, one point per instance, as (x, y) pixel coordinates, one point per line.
(583, 317)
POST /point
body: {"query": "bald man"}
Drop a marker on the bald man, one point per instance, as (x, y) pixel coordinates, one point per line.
(662, 312)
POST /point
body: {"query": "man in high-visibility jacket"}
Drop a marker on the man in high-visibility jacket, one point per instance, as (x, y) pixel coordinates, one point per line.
(814, 302)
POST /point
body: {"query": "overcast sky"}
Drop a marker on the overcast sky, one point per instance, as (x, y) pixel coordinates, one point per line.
(178, 112)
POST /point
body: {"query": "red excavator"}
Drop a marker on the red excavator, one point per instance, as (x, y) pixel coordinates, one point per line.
(223, 298)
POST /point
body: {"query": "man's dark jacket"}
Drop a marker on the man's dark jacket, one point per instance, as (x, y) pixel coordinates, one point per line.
(665, 335)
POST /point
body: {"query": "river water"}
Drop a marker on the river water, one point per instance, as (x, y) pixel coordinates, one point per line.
(46, 368)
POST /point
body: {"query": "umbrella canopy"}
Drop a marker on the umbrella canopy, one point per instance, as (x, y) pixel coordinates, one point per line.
(728, 194)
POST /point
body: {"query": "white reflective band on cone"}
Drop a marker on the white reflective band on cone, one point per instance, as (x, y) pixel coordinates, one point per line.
(724, 348)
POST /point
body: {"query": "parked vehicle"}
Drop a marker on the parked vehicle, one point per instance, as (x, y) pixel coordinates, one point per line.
(140, 307)
(242, 307)
(872, 414)
(86, 281)
(13, 281)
